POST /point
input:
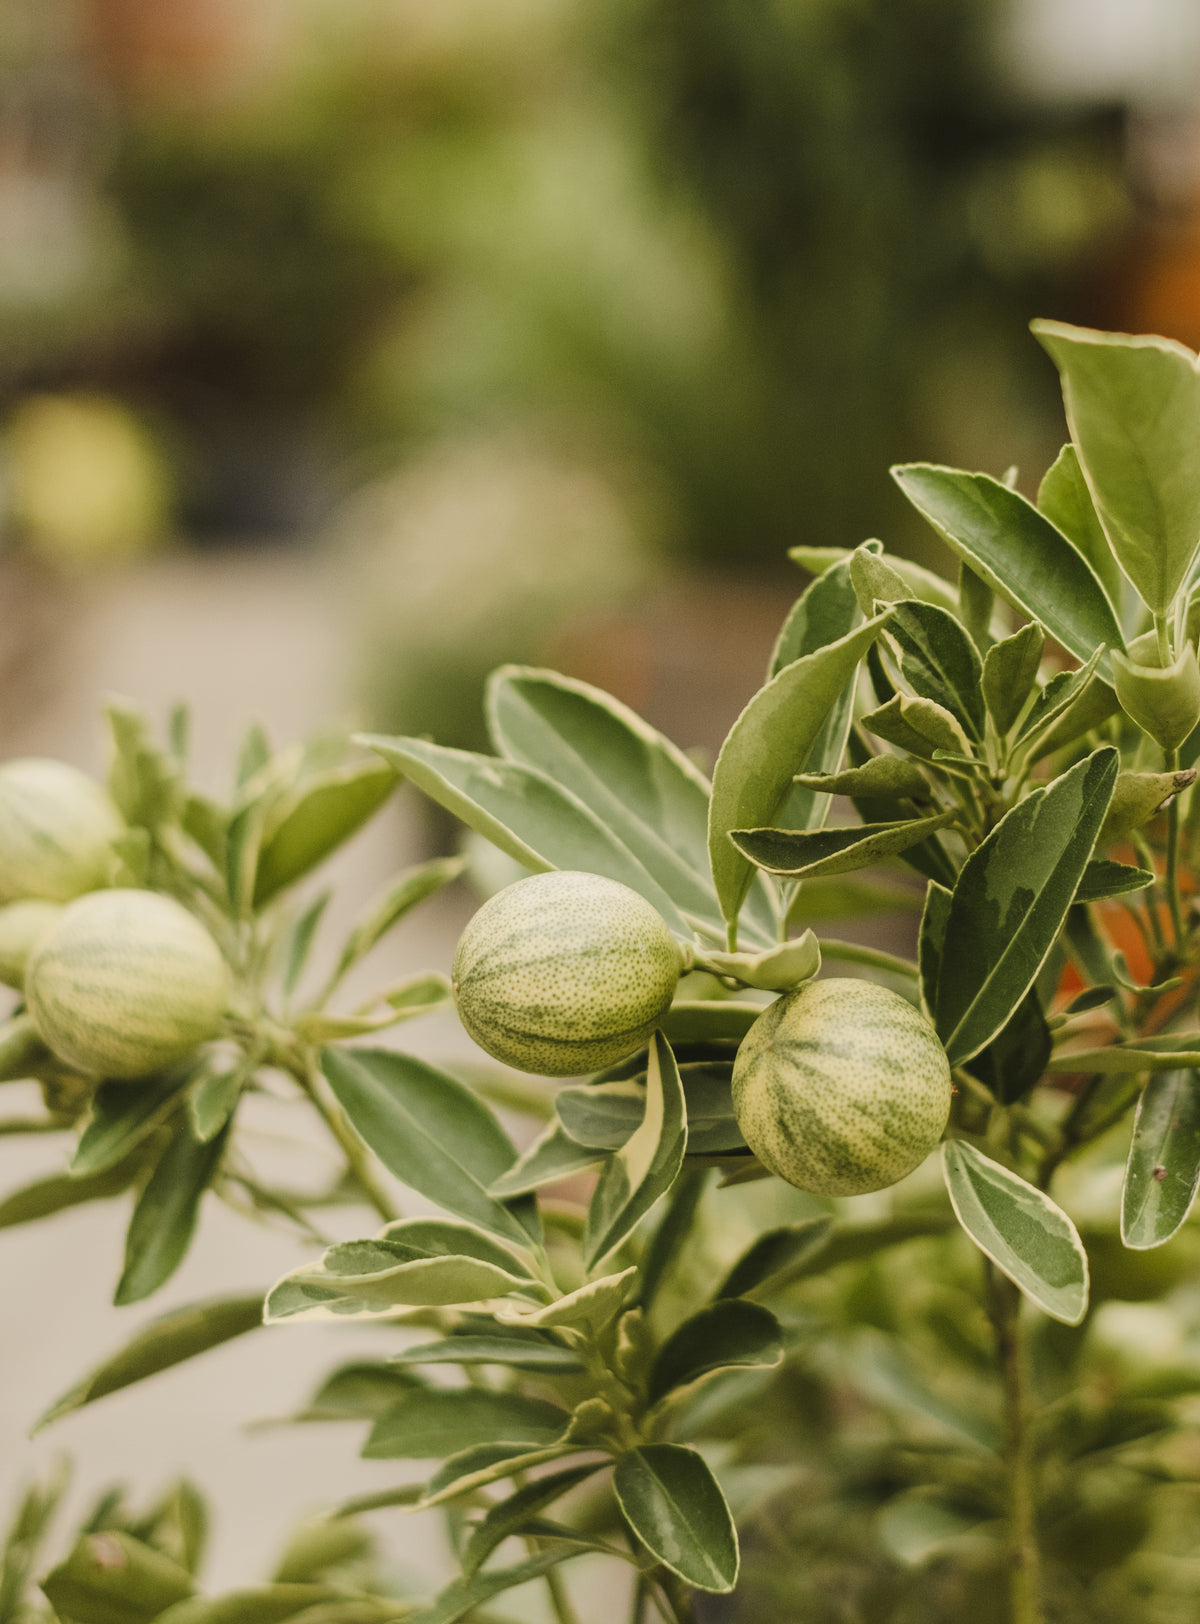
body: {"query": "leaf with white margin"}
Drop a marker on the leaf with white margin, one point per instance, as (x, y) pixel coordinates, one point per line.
(588, 1309)
(1025, 1234)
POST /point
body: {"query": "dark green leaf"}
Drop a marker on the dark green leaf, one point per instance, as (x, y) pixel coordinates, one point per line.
(123, 1114)
(1163, 1170)
(1133, 406)
(475, 1467)
(520, 1352)
(1029, 563)
(525, 813)
(179, 1335)
(464, 1595)
(111, 1578)
(553, 1155)
(164, 1219)
(1026, 1236)
(774, 1252)
(429, 1423)
(430, 1131)
(1064, 498)
(214, 1098)
(1009, 673)
(931, 942)
(1016, 1057)
(768, 744)
(604, 1115)
(510, 1516)
(810, 853)
(827, 611)
(728, 1332)
(675, 1506)
(46, 1196)
(1104, 878)
(1011, 900)
(317, 818)
(939, 661)
(634, 1177)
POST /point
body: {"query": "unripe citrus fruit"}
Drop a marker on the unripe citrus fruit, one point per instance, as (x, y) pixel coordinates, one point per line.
(57, 827)
(563, 973)
(841, 1087)
(124, 983)
(22, 925)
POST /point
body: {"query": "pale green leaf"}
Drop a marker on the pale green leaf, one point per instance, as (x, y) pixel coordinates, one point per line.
(1026, 1236)
(1163, 1170)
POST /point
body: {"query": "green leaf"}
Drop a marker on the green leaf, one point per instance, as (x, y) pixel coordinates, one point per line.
(810, 853)
(143, 780)
(1163, 1170)
(315, 820)
(1133, 406)
(633, 779)
(675, 1506)
(553, 1155)
(24, 1539)
(207, 824)
(1011, 899)
(728, 1332)
(214, 1098)
(634, 1178)
(939, 661)
(589, 1308)
(918, 725)
(164, 1342)
(826, 611)
(426, 1128)
(1020, 554)
(931, 941)
(1117, 1058)
(602, 1116)
(1010, 670)
(510, 1516)
(1064, 498)
(921, 583)
(885, 776)
(164, 1219)
(774, 1252)
(60, 1191)
(1104, 878)
(475, 1467)
(359, 1391)
(419, 995)
(279, 1604)
(768, 744)
(1016, 1057)
(525, 813)
(708, 1021)
(410, 887)
(112, 1578)
(296, 943)
(431, 1422)
(1026, 1236)
(519, 1352)
(464, 1595)
(776, 969)
(124, 1114)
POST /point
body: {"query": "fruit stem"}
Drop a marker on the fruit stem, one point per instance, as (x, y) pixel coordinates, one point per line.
(303, 1066)
(1004, 1307)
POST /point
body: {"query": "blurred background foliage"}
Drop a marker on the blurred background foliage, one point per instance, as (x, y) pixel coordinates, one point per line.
(714, 263)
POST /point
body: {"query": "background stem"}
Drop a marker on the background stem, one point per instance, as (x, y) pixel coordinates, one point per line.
(1004, 1305)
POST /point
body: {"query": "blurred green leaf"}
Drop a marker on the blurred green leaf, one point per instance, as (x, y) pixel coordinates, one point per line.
(164, 1219)
(430, 1423)
(728, 1332)
(510, 1516)
(774, 1252)
(111, 1578)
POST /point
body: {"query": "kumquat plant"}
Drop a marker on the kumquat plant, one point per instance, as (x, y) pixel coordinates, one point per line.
(825, 1283)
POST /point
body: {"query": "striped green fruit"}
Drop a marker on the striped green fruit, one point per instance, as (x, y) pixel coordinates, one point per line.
(841, 1087)
(125, 983)
(562, 973)
(57, 828)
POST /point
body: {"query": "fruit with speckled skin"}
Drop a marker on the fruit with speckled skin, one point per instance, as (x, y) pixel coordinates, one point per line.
(57, 828)
(562, 973)
(841, 1087)
(124, 983)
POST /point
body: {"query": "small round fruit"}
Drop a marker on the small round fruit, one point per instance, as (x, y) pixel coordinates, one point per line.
(125, 983)
(841, 1087)
(563, 973)
(57, 827)
(22, 926)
